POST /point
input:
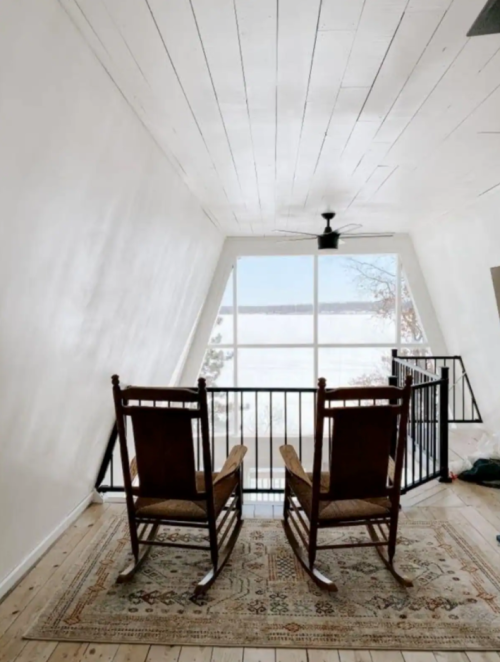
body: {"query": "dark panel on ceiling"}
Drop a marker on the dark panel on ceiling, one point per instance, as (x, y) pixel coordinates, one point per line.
(488, 21)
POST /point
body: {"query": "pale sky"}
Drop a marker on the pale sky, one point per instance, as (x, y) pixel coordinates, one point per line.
(268, 280)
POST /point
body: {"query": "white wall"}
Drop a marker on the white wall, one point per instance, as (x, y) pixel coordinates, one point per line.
(456, 253)
(105, 259)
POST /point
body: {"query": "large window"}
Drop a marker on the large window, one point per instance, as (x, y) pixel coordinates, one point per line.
(284, 321)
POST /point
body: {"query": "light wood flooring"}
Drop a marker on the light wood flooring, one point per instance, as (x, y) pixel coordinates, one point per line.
(477, 508)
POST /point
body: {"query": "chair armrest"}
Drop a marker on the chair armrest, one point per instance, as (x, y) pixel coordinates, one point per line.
(233, 462)
(293, 465)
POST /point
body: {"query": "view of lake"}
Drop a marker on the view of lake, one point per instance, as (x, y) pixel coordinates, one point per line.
(294, 366)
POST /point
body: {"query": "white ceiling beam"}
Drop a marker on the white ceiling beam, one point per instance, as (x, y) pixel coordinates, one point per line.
(218, 28)
(296, 41)
(257, 28)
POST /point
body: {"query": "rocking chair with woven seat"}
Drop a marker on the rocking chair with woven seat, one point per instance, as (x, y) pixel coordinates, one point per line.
(363, 484)
(162, 486)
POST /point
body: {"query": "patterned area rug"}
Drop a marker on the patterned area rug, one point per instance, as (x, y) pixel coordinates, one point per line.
(263, 597)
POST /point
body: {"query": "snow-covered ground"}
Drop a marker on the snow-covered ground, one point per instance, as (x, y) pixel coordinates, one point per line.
(296, 329)
(294, 366)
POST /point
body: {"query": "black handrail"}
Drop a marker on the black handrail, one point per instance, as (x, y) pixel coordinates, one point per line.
(252, 416)
(429, 419)
(462, 403)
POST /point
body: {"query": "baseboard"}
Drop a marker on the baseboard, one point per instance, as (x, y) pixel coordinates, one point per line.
(15, 576)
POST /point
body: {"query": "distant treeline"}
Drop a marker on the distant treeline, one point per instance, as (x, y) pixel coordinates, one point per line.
(306, 309)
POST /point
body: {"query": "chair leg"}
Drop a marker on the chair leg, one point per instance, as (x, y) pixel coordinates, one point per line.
(393, 536)
(221, 555)
(214, 549)
(286, 502)
(318, 578)
(134, 538)
(385, 555)
(140, 555)
(313, 541)
(240, 495)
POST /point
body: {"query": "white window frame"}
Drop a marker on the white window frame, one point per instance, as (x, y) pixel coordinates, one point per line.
(234, 248)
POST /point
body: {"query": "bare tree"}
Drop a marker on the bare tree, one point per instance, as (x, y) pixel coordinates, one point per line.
(215, 358)
(380, 284)
(213, 363)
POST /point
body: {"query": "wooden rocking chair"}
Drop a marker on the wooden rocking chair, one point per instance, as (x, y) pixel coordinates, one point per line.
(363, 485)
(169, 490)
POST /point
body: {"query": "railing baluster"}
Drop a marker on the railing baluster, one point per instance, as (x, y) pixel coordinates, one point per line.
(213, 430)
(256, 439)
(428, 430)
(241, 417)
(435, 427)
(271, 437)
(286, 418)
(227, 423)
(198, 443)
(408, 441)
(443, 427)
(420, 435)
(300, 426)
(455, 391)
(413, 424)
(463, 396)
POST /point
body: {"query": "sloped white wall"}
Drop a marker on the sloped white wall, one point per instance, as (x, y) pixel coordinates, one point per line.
(105, 259)
(456, 253)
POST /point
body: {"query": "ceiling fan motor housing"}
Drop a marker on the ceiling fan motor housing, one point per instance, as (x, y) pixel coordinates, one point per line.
(330, 240)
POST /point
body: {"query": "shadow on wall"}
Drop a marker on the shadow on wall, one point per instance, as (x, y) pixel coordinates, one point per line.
(495, 275)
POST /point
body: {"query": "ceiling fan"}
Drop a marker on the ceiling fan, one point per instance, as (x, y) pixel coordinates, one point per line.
(332, 238)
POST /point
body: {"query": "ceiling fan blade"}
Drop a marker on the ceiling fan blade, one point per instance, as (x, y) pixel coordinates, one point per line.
(353, 226)
(309, 234)
(367, 235)
(285, 241)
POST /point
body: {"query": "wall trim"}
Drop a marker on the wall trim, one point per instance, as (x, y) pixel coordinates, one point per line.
(15, 576)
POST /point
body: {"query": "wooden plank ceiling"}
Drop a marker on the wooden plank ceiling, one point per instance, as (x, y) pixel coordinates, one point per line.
(276, 110)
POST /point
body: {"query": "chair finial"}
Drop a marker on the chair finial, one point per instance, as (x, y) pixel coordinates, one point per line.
(115, 380)
(322, 383)
(202, 383)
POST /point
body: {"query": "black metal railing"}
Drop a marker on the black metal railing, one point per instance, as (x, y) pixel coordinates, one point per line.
(463, 407)
(261, 418)
(265, 418)
(427, 449)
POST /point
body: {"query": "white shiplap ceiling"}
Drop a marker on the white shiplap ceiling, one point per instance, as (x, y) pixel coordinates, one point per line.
(276, 110)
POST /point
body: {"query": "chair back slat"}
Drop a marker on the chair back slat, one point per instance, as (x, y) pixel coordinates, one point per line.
(360, 450)
(163, 439)
(158, 394)
(363, 393)
(164, 449)
(365, 438)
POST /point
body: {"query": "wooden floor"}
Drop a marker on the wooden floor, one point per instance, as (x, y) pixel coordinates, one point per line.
(475, 507)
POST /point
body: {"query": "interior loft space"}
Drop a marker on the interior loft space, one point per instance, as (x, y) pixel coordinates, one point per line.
(250, 331)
